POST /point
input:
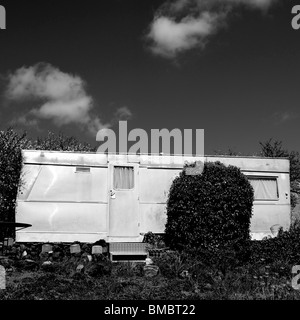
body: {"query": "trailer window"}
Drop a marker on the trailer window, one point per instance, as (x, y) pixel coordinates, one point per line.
(123, 178)
(264, 188)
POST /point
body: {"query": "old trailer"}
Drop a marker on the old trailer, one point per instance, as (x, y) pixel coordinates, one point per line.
(71, 196)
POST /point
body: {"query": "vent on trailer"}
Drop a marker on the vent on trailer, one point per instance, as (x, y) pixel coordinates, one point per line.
(83, 170)
(127, 251)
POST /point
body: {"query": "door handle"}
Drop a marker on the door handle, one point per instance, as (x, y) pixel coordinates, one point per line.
(112, 194)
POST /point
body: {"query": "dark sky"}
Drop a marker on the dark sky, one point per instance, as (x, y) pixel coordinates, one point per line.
(241, 87)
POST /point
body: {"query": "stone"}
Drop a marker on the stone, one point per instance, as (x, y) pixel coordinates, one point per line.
(151, 270)
(8, 242)
(148, 261)
(97, 249)
(208, 286)
(184, 274)
(75, 248)
(46, 247)
(48, 266)
(80, 268)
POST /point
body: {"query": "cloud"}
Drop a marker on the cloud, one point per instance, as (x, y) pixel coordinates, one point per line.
(283, 117)
(173, 37)
(123, 113)
(62, 97)
(182, 25)
(25, 121)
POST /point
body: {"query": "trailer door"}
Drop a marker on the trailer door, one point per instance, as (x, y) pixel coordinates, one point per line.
(123, 201)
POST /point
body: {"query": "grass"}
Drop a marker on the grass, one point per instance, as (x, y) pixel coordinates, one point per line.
(244, 283)
(126, 282)
(262, 272)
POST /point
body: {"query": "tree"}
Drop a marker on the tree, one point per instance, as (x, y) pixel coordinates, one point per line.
(10, 171)
(210, 209)
(11, 161)
(273, 148)
(59, 142)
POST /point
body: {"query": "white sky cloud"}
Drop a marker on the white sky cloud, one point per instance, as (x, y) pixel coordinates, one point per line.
(283, 117)
(185, 24)
(63, 97)
(174, 37)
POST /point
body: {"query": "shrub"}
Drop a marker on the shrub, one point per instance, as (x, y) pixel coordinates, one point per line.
(210, 209)
(284, 248)
(154, 239)
(59, 142)
(10, 171)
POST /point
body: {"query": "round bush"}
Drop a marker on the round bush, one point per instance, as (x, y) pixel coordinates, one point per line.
(209, 210)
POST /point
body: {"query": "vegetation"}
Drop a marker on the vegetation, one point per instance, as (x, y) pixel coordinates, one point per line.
(273, 148)
(266, 274)
(10, 171)
(232, 270)
(59, 142)
(11, 162)
(209, 210)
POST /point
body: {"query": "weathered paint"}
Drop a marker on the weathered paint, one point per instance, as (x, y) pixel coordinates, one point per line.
(64, 204)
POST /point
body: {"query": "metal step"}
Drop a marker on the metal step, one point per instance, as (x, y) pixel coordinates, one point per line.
(127, 251)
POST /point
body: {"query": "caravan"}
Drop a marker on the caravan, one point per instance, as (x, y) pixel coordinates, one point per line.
(72, 196)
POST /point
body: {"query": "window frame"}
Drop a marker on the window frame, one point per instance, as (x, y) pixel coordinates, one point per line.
(113, 177)
(257, 177)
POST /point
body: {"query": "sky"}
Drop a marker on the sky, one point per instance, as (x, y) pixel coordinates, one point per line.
(230, 67)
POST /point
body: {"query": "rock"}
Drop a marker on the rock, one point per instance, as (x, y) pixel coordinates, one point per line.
(8, 242)
(208, 286)
(149, 261)
(46, 247)
(29, 261)
(184, 274)
(75, 248)
(48, 266)
(80, 268)
(97, 249)
(151, 270)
